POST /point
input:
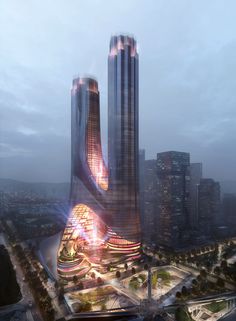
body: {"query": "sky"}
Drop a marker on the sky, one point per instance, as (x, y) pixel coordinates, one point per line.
(187, 95)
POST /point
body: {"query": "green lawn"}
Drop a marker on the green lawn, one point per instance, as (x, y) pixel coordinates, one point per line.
(216, 306)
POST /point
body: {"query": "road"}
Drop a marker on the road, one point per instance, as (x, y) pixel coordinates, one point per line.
(229, 317)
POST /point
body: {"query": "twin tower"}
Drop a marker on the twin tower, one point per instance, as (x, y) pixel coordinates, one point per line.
(103, 227)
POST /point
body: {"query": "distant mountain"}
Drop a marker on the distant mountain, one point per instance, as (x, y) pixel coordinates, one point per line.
(228, 187)
(57, 190)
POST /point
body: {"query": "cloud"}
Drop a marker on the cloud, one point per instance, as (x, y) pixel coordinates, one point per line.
(187, 78)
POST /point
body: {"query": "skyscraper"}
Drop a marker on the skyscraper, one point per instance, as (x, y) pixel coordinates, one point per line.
(123, 146)
(141, 186)
(150, 220)
(103, 224)
(173, 198)
(195, 177)
(208, 205)
(229, 211)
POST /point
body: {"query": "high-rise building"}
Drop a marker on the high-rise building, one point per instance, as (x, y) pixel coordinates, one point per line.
(208, 205)
(123, 148)
(141, 186)
(104, 224)
(173, 198)
(195, 177)
(229, 212)
(150, 219)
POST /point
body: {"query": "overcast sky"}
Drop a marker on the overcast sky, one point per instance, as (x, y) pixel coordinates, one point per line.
(187, 52)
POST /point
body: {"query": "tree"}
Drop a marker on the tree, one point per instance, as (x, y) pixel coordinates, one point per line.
(118, 275)
(133, 270)
(220, 283)
(203, 273)
(217, 270)
(103, 307)
(146, 266)
(80, 286)
(199, 278)
(203, 287)
(182, 315)
(85, 306)
(184, 291)
(224, 265)
(75, 279)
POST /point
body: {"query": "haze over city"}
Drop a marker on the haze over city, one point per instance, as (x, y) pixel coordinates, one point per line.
(187, 85)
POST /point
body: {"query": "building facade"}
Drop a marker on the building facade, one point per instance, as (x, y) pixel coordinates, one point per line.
(150, 221)
(173, 198)
(195, 178)
(104, 224)
(209, 205)
(141, 187)
(229, 212)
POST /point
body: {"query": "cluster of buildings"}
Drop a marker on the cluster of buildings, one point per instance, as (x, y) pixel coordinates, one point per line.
(179, 207)
(32, 215)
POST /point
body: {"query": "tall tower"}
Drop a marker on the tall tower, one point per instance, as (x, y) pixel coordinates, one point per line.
(208, 205)
(123, 146)
(173, 198)
(103, 225)
(195, 177)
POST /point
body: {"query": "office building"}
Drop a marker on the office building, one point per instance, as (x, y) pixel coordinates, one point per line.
(208, 205)
(173, 198)
(150, 202)
(195, 177)
(229, 212)
(141, 186)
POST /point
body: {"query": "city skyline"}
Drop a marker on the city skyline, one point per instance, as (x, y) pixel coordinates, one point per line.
(117, 194)
(180, 58)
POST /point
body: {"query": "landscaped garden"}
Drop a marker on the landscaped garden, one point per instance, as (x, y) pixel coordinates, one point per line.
(96, 299)
(163, 280)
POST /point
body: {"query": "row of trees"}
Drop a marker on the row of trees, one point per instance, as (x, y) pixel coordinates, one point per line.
(228, 271)
(200, 286)
(33, 275)
(9, 288)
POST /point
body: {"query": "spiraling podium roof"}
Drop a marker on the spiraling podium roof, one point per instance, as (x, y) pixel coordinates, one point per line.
(103, 224)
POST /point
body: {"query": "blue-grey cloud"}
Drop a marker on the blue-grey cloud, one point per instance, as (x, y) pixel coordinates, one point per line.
(187, 78)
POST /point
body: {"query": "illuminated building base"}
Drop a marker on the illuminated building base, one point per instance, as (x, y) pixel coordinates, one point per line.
(87, 242)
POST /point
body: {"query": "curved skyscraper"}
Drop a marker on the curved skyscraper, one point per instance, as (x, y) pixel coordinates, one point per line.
(103, 225)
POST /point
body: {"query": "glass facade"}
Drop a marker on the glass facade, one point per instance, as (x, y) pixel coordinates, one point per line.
(173, 197)
(103, 224)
